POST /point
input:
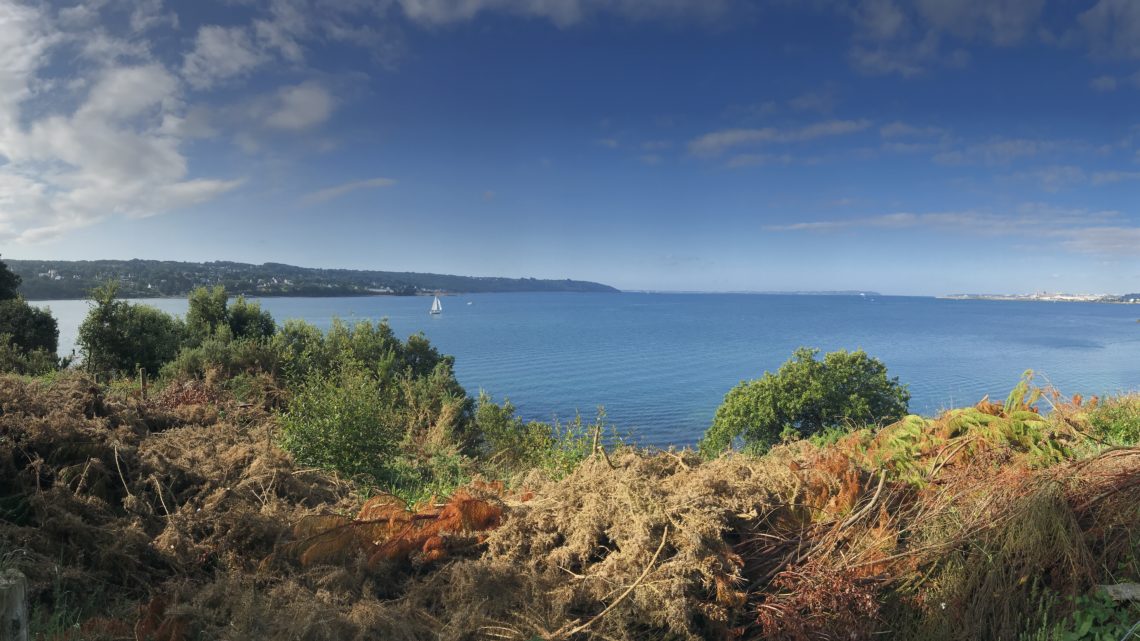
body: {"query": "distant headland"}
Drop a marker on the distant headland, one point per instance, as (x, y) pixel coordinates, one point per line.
(1051, 297)
(64, 279)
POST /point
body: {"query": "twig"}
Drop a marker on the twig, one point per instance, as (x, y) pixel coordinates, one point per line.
(121, 477)
(679, 460)
(564, 634)
(82, 477)
(158, 486)
(938, 466)
(596, 446)
(858, 515)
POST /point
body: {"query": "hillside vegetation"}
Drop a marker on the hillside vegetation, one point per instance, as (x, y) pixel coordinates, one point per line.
(176, 515)
(59, 279)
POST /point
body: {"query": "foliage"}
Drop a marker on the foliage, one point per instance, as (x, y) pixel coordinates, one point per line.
(117, 338)
(228, 357)
(211, 315)
(29, 336)
(1093, 617)
(152, 278)
(36, 362)
(206, 312)
(806, 396)
(343, 421)
(510, 445)
(9, 282)
(29, 328)
(247, 319)
(1117, 420)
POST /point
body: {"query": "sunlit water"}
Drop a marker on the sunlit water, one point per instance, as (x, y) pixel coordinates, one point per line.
(661, 363)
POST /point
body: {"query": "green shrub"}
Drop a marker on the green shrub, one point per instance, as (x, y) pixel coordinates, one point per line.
(1094, 617)
(804, 397)
(509, 444)
(344, 421)
(247, 320)
(210, 314)
(117, 338)
(16, 360)
(507, 441)
(1117, 420)
(29, 328)
(226, 356)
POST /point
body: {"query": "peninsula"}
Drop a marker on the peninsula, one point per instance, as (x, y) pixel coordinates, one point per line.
(61, 279)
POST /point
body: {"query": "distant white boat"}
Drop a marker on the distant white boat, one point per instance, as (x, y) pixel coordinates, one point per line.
(436, 306)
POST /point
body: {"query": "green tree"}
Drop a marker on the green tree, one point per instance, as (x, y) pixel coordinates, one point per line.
(9, 282)
(248, 320)
(118, 337)
(804, 397)
(29, 336)
(207, 312)
(29, 328)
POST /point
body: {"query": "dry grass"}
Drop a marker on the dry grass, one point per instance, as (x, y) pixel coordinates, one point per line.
(194, 525)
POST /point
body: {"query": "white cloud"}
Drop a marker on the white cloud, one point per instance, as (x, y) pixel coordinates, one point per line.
(717, 142)
(1102, 240)
(563, 13)
(1053, 178)
(999, 22)
(907, 38)
(330, 193)
(1000, 151)
(114, 152)
(220, 53)
(820, 101)
(753, 160)
(899, 129)
(301, 107)
(1107, 177)
(1103, 83)
(1112, 28)
(1077, 230)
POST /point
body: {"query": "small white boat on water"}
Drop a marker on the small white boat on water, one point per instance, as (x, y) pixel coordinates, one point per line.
(436, 306)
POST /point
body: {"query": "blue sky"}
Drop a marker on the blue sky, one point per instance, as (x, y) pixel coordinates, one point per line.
(921, 147)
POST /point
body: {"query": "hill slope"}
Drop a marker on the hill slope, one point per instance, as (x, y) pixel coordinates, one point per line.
(60, 279)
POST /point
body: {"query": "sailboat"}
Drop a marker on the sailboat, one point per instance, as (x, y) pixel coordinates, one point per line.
(436, 306)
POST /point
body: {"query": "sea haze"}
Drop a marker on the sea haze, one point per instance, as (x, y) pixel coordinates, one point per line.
(661, 363)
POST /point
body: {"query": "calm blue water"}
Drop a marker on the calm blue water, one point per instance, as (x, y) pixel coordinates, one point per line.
(661, 363)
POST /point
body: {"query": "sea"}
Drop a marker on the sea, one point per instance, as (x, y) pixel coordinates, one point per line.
(660, 364)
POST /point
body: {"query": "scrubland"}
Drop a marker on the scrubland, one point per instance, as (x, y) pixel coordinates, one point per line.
(172, 512)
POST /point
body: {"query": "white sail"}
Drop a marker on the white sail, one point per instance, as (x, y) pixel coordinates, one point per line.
(436, 306)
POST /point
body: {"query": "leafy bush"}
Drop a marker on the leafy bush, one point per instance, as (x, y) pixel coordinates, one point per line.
(1117, 420)
(370, 406)
(248, 320)
(9, 282)
(509, 444)
(117, 338)
(210, 315)
(343, 421)
(804, 397)
(229, 357)
(507, 440)
(36, 362)
(29, 336)
(1094, 617)
(29, 328)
